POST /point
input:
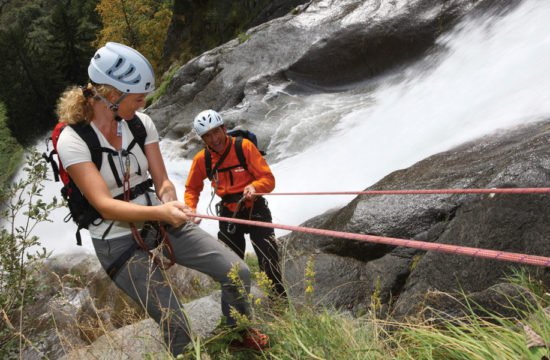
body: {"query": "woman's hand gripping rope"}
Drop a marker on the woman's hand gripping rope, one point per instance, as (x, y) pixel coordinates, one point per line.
(174, 213)
(190, 212)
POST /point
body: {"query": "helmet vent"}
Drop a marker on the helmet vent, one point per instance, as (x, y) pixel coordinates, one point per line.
(136, 80)
(128, 72)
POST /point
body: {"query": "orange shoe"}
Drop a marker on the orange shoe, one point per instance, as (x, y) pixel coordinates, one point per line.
(252, 339)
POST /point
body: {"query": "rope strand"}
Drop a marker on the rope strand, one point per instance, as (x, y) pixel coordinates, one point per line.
(415, 244)
(421, 191)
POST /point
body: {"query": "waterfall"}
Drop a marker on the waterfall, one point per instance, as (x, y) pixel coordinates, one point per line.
(487, 74)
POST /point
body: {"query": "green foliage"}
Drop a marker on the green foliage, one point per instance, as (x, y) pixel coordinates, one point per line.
(141, 24)
(18, 285)
(251, 261)
(525, 278)
(375, 299)
(243, 37)
(415, 260)
(72, 30)
(10, 153)
(161, 89)
(309, 279)
(478, 338)
(46, 45)
(308, 334)
(198, 26)
(303, 332)
(486, 337)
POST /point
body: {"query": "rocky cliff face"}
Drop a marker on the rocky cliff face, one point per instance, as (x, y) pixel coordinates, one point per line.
(197, 26)
(348, 272)
(321, 46)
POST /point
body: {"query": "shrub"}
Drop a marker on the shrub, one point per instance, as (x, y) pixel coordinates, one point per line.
(18, 286)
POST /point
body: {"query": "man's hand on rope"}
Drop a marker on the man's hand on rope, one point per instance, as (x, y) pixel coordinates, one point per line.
(249, 192)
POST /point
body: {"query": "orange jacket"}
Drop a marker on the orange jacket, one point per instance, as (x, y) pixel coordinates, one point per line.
(258, 174)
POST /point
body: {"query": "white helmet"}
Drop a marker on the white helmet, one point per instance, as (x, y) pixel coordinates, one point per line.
(122, 67)
(207, 120)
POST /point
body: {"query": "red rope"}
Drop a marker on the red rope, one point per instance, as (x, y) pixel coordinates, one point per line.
(415, 244)
(423, 191)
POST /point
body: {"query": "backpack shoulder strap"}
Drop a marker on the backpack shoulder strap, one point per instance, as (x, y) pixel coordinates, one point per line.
(87, 133)
(239, 151)
(138, 131)
(210, 171)
(208, 163)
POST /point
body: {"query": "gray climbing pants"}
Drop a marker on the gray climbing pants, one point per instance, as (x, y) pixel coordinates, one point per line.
(145, 283)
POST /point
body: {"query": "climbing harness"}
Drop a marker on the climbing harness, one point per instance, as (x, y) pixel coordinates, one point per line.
(163, 236)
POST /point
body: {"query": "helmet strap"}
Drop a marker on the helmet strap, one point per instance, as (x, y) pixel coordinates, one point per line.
(112, 107)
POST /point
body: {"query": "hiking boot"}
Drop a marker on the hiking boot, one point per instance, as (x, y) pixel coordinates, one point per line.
(252, 339)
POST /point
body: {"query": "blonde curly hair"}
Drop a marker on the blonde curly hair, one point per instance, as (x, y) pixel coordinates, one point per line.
(73, 107)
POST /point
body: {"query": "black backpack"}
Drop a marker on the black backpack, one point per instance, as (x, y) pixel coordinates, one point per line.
(239, 135)
(80, 210)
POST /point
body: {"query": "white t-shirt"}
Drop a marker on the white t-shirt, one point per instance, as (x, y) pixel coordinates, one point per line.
(73, 150)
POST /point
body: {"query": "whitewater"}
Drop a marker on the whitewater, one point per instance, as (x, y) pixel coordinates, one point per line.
(487, 74)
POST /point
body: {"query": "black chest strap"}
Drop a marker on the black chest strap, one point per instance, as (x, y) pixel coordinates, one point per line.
(238, 145)
(210, 171)
(87, 133)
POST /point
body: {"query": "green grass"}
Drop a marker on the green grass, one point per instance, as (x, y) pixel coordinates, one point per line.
(298, 331)
(304, 331)
(11, 153)
(252, 261)
(477, 338)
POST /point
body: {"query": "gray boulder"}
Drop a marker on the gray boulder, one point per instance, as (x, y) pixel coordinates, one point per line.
(400, 277)
(144, 338)
(82, 304)
(504, 300)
